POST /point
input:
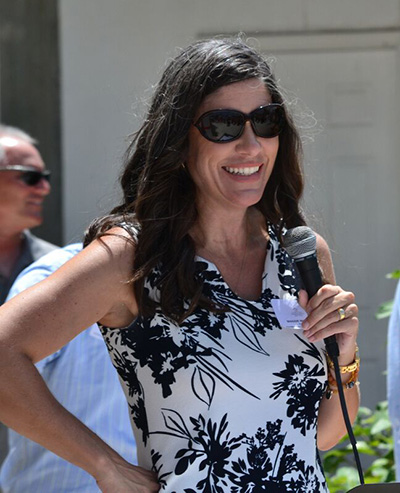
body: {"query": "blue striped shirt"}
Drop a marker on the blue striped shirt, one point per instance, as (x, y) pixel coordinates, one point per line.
(393, 378)
(82, 378)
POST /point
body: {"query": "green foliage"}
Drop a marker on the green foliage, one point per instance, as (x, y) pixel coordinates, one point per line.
(385, 309)
(374, 437)
(393, 275)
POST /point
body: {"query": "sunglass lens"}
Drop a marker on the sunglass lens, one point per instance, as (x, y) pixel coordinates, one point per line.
(32, 178)
(222, 126)
(227, 125)
(268, 121)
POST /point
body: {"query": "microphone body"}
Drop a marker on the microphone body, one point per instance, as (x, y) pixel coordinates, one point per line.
(310, 274)
(301, 245)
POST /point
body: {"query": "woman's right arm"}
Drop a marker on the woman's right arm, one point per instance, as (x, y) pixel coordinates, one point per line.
(91, 287)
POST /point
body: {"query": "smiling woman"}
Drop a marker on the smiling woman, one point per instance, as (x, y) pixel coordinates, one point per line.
(182, 277)
(232, 172)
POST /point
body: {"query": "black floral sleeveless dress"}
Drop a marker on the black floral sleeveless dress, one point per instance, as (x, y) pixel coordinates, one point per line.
(225, 402)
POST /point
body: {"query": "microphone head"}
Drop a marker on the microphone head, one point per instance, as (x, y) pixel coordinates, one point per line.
(300, 242)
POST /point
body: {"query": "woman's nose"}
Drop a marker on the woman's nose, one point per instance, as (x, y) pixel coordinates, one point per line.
(248, 142)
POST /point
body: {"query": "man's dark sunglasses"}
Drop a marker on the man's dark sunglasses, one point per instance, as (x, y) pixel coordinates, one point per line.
(223, 126)
(29, 176)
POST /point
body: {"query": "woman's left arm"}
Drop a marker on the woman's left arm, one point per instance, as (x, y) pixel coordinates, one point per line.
(324, 319)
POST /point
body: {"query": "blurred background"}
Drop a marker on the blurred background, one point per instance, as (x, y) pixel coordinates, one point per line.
(78, 74)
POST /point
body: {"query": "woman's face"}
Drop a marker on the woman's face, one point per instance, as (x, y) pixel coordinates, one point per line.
(232, 174)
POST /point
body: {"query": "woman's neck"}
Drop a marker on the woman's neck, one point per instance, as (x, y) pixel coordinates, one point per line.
(222, 235)
(237, 248)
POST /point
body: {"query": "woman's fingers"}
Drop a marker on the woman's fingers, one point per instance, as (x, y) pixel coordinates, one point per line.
(329, 297)
(351, 311)
(126, 477)
(331, 311)
(326, 303)
(347, 327)
(303, 298)
(334, 318)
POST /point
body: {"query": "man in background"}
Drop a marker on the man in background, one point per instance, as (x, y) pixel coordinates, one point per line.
(24, 184)
(81, 377)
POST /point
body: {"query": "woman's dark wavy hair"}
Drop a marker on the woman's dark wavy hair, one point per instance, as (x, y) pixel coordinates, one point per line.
(159, 194)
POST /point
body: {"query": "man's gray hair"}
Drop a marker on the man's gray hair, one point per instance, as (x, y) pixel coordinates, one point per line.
(17, 133)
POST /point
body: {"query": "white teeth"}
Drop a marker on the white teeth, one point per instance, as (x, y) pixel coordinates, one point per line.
(243, 171)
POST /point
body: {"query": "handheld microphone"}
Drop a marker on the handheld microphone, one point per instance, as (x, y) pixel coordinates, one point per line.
(301, 244)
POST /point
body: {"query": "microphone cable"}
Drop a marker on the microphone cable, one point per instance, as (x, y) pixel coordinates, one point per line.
(346, 418)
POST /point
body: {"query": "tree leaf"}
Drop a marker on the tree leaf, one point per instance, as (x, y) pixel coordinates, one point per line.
(381, 424)
(384, 310)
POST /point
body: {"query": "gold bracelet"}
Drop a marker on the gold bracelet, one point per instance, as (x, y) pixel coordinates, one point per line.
(346, 386)
(352, 367)
(349, 385)
(332, 380)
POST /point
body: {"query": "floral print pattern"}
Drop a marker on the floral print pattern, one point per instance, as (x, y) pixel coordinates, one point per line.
(225, 402)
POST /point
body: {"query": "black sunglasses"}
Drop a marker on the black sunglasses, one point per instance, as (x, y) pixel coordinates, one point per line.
(32, 178)
(223, 126)
(29, 176)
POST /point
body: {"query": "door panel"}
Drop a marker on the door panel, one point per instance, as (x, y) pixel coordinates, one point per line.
(352, 176)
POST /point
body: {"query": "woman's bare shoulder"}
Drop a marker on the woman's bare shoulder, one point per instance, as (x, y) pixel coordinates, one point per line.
(115, 248)
(110, 259)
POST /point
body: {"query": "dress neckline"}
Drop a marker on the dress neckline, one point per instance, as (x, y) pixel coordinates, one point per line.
(213, 266)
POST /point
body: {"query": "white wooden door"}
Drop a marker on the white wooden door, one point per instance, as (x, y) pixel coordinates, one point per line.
(346, 103)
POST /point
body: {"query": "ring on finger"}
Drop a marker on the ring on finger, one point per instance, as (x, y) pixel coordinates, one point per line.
(342, 314)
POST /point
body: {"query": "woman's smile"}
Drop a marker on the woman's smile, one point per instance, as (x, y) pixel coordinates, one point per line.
(242, 170)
